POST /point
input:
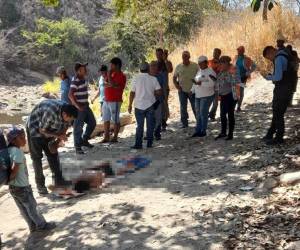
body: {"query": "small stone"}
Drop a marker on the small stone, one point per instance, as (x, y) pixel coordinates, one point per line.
(270, 183)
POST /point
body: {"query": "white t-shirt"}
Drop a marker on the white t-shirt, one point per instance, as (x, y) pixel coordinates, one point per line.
(144, 86)
(208, 85)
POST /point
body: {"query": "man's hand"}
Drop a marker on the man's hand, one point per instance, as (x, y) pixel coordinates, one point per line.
(198, 83)
(63, 137)
(177, 86)
(80, 107)
(191, 93)
(129, 109)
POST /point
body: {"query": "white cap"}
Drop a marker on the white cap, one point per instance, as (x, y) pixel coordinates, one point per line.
(202, 59)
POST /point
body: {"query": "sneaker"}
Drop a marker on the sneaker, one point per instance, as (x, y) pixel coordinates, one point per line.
(79, 151)
(87, 144)
(220, 136)
(43, 191)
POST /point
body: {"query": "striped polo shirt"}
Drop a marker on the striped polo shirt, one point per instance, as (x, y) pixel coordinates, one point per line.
(80, 88)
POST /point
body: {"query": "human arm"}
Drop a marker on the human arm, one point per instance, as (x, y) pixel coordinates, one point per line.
(131, 98)
(280, 65)
(169, 66)
(14, 171)
(96, 95)
(73, 99)
(175, 80)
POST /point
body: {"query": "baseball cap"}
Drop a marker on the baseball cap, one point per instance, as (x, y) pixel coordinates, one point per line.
(79, 65)
(202, 59)
(13, 133)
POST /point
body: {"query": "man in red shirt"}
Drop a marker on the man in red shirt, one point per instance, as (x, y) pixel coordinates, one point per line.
(113, 92)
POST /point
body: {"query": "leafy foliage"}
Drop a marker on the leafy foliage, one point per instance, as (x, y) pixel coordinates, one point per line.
(138, 26)
(51, 3)
(57, 40)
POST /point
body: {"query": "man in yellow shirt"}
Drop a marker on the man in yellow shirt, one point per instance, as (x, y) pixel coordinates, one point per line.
(183, 80)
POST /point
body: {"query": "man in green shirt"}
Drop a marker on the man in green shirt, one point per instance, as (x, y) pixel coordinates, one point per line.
(183, 80)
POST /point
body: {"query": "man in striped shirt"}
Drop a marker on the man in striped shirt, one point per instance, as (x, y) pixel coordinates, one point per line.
(79, 97)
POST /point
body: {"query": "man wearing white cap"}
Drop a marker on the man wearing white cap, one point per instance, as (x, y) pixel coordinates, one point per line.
(204, 89)
(183, 81)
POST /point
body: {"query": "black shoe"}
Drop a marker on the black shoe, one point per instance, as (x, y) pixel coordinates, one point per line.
(202, 135)
(158, 138)
(229, 138)
(43, 191)
(267, 138)
(184, 126)
(163, 129)
(220, 136)
(145, 138)
(47, 227)
(149, 146)
(274, 142)
(196, 135)
(136, 147)
(87, 144)
(79, 151)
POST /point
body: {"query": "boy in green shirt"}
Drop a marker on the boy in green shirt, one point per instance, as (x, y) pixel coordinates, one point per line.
(19, 186)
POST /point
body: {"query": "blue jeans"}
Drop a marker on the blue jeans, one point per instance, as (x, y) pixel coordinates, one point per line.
(202, 109)
(85, 116)
(158, 120)
(183, 99)
(141, 115)
(28, 208)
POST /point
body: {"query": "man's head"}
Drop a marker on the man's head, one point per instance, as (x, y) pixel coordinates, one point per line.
(16, 137)
(81, 70)
(186, 56)
(269, 53)
(154, 68)
(241, 50)
(217, 53)
(69, 113)
(144, 67)
(203, 62)
(61, 72)
(225, 63)
(103, 70)
(116, 64)
(159, 54)
(280, 43)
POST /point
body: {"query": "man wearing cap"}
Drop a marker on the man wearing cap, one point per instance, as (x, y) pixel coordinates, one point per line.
(245, 67)
(48, 120)
(64, 84)
(280, 43)
(183, 81)
(144, 90)
(79, 97)
(204, 90)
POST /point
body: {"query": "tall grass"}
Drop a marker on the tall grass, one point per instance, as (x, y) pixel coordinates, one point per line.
(230, 30)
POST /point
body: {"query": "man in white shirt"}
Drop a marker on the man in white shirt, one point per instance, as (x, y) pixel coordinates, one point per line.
(144, 90)
(204, 88)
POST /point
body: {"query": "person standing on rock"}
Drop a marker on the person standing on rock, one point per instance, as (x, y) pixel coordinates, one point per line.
(79, 97)
(49, 119)
(245, 67)
(204, 90)
(183, 80)
(144, 91)
(164, 67)
(214, 64)
(64, 84)
(113, 92)
(283, 78)
(227, 81)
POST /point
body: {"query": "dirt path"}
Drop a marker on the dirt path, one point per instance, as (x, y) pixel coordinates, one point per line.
(189, 198)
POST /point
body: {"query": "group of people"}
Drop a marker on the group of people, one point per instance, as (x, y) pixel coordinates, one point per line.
(204, 85)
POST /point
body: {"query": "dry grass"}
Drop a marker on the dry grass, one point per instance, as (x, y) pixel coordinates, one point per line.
(228, 31)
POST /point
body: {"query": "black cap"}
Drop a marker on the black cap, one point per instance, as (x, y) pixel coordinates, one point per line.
(79, 65)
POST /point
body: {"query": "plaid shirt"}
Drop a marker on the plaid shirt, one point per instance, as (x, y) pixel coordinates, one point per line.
(228, 82)
(46, 115)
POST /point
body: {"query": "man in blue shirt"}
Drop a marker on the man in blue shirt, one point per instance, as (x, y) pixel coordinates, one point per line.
(282, 79)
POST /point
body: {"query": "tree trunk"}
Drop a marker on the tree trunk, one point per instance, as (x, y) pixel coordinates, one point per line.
(265, 10)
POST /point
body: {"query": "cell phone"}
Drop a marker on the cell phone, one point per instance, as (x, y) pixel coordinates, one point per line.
(213, 77)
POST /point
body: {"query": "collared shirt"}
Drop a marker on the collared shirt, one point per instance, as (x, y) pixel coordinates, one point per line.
(80, 88)
(281, 65)
(46, 115)
(185, 75)
(115, 94)
(207, 87)
(144, 86)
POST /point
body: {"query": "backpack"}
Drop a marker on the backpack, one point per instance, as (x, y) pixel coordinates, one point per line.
(5, 163)
(293, 59)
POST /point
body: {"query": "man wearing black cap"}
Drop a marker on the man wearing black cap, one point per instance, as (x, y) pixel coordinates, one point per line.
(79, 97)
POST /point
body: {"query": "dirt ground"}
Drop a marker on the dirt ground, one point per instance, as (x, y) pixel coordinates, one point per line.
(191, 197)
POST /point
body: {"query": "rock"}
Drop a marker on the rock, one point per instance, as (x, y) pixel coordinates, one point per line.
(293, 246)
(289, 178)
(270, 183)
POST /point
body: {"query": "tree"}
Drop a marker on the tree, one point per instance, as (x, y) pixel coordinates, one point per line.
(59, 41)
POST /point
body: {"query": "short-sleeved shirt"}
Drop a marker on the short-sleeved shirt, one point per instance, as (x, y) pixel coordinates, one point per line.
(80, 88)
(101, 89)
(144, 86)
(17, 156)
(185, 75)
(64, 90)
(114, 94)
(46, 115)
